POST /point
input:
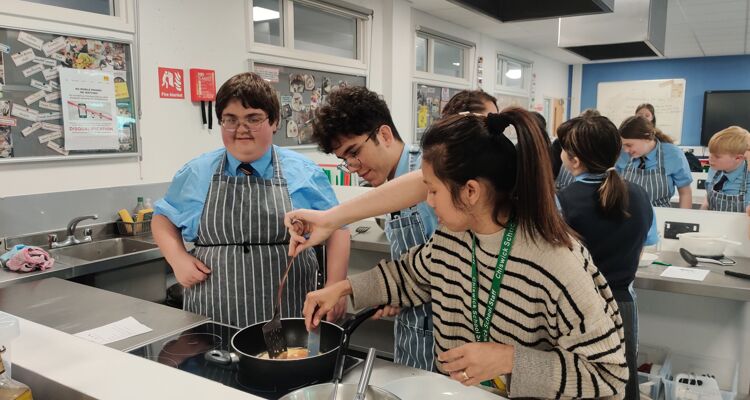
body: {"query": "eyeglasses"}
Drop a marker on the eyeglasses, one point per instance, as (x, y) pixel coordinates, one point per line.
(350, 161)
(252, 123)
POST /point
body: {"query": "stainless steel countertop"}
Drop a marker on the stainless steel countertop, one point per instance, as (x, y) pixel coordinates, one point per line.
(67, 267)
(71, 308)
(716, 284)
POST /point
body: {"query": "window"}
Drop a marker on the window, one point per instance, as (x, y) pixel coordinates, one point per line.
(441, 55)
(267, 21)
(105, 7)
(330, 27)
(421, 52)
(322, 32)
(513, 74)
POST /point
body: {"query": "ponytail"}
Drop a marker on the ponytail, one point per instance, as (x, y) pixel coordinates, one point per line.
(469, 146)
(662, 137)
(613, 196)
(597, 145)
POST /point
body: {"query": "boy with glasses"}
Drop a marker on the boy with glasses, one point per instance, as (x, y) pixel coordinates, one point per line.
(357, 127)
(231, 203)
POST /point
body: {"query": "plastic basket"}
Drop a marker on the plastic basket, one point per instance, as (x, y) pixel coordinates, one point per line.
(650, 384)
(725, 371)
(133, 228)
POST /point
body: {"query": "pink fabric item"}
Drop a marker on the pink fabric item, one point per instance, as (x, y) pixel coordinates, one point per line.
(29, 259)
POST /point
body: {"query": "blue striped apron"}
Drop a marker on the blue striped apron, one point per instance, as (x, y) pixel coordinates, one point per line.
(242, 238)
(414, 340)
(655, 182)
(718, 201)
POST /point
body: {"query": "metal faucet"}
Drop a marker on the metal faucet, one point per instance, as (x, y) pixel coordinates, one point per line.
(72, 239)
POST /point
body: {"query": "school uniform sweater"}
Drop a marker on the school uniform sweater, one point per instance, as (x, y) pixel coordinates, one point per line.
(554, 307)
(615, 243)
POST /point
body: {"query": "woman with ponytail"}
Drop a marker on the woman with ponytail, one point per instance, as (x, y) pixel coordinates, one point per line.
(613, 217)
(517, 302)
(650, 159)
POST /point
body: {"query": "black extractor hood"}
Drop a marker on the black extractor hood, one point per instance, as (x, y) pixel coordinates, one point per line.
(522, 10)
(636, 29)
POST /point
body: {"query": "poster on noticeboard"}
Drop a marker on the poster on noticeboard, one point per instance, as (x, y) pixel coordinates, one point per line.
(429, 102)
(301, 91)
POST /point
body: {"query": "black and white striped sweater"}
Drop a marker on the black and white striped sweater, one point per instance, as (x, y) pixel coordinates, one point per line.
(554, 306)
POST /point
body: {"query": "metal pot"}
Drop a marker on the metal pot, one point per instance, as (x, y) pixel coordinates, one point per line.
(704, 244)
(282, 374)
(346, 391)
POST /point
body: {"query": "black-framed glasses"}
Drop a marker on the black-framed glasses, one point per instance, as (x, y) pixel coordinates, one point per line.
(351, 162)
(252, 123)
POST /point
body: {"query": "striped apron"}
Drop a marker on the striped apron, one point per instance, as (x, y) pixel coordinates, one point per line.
(242, 238)
(564, 178)
(413, 327)
(655, 182)
(718, 201)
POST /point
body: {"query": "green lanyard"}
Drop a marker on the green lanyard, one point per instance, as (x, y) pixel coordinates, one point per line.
(482, 328)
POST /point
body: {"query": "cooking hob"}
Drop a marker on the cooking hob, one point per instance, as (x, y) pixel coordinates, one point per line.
(186, 351)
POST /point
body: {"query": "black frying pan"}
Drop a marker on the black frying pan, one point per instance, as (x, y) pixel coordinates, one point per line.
(280, 374)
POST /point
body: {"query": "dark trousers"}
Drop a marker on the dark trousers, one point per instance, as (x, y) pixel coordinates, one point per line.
(629, 311)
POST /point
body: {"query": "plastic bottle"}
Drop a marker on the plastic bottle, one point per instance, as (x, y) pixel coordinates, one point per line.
(9, 389)
(140, 206)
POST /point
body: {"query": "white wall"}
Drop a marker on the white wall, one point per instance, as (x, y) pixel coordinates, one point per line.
(196, 34)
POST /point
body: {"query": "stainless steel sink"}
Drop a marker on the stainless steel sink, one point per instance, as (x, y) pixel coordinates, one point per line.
(101, 249)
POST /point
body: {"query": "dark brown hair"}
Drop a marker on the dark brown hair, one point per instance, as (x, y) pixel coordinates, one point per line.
(637, 127)
(351, 111)
(650, 108)
(252, 91)
(597, 144)
(590, 112)
(468, 100)
(469, 146)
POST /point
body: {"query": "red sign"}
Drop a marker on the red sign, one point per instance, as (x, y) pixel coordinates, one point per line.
(202, 84)
(171, 83)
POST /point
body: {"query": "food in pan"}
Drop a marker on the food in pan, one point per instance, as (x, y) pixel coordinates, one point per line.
(292, 353)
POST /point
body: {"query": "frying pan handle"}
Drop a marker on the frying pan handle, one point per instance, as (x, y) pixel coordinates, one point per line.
(352, 323)
(349, 326)
(221, 357)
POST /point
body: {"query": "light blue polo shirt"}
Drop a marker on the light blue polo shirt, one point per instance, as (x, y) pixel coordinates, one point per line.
(183, 204)
(675, 165)
(733, 183)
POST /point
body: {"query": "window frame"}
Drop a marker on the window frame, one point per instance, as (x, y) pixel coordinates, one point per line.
(286, 50)
(123, 21)
(469, 49)
(528, 69)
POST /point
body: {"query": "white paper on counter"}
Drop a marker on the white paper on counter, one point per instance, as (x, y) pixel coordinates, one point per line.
(693, 274)
(115, 331)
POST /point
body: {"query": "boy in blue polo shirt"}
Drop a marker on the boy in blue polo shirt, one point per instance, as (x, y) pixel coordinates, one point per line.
(728, 178)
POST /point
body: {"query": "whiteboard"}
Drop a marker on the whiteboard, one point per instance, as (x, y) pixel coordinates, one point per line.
(618, 100)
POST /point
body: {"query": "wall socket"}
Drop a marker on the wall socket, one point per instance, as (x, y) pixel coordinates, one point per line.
(672, 229)
(701, 184)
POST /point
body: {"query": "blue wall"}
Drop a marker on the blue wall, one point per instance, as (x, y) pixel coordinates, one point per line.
(701, 74)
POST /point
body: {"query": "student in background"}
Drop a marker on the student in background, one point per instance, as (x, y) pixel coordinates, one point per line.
(651, 160)
(357, 127)
(614, 218)
(546, 314)
(231, 203)
(646, 110)
(728, 178)
(476, 101)
(562, 176)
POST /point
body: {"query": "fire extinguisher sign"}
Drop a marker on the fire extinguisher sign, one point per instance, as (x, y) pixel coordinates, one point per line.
(171, 83)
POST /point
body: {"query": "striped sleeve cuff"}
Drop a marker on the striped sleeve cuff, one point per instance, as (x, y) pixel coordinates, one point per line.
(369, 289)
